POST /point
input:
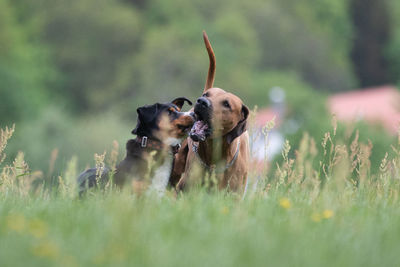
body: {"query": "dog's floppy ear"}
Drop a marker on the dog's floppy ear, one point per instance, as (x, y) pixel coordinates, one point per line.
(146, 116)
(134, 131)
(240, 128)
(180, 101)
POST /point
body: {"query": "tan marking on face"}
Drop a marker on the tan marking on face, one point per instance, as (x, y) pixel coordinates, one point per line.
(173, 129)
(186, 121)
(172, 109)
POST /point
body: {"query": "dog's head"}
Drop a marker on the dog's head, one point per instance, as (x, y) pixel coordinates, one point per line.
(219, 114)
(164, 122)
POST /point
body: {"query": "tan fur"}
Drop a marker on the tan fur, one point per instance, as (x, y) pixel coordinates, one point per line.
(212, 66)
(217, 150)
(168, 129)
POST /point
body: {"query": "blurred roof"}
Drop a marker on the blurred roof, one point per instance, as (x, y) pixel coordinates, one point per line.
(265, 115)
(380, 105)
(375, 105)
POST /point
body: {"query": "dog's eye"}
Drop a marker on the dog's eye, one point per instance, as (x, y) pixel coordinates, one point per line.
(181, 127)
(226, 104)
(206, 95)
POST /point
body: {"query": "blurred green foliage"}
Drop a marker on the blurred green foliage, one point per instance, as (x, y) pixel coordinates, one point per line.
(393, 49)
(56, 130)
(25, 68)
(64, 64)
(109, 51)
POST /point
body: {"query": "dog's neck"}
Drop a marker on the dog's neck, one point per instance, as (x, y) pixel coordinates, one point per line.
(139, 155)
(215, 150)
(159, 179)
(154, 160)
(143, 145)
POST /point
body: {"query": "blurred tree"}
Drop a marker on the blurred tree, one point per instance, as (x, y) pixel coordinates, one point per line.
(93, 43)
(25, 69)
(173, 58)
(371, 36)
(392, 51)
(125, 51)
(249, 38)
(138, 3)
(308, 37)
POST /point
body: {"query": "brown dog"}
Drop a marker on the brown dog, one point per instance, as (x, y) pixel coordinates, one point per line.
(219, 142)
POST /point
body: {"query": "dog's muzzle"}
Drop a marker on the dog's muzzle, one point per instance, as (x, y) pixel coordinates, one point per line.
(202, 127)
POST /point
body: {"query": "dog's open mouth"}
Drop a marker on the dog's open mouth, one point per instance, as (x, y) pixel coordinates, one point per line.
(201, 130)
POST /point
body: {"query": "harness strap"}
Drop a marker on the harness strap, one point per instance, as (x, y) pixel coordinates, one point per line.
(195, 148)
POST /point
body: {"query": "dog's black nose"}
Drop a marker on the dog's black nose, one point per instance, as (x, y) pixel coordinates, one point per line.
(203, 102)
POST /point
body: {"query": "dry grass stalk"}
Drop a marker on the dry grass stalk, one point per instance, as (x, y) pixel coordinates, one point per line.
(112, 160)
(100, 166)
(67, 184)
(5, 135)
(52, 162)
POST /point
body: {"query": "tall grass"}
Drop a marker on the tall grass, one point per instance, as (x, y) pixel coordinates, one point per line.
(323, 205)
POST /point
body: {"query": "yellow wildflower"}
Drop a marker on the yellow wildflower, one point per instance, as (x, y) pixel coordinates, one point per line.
(327, 214)
(316, 217)
(38, 228)
(99, 258)
(285, 203)
(45, 249)
(16, 222)
(225, 210)
(68, 261)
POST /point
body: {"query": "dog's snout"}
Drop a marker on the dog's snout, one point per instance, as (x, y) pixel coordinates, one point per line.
(203, 102)
(203, 109)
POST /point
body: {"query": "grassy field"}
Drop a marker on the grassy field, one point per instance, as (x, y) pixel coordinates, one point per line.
(322, 208)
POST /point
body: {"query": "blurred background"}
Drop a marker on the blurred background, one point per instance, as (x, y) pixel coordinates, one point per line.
(72, 73)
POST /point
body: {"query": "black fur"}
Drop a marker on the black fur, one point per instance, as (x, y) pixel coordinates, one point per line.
(147, 119)
(180, 101)
(133, 164)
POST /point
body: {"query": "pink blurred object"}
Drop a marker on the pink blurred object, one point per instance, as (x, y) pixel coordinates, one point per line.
(380, 105)
(265, 115)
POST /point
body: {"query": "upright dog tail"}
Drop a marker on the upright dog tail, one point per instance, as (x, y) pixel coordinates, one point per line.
(211, 68)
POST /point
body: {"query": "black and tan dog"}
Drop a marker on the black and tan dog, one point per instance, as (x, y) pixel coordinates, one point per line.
(160, 129)
(219, 142)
